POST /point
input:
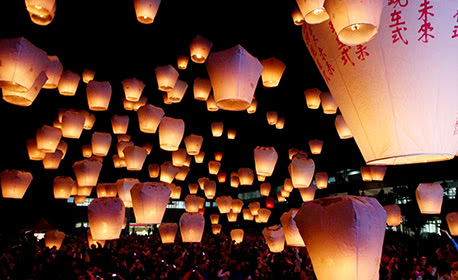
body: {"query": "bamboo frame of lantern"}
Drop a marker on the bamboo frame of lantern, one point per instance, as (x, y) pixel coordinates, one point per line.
(15, 183)
(272, 72)
(106, 218)
(265, 159)
(170, 133)
(166, 77)
(199, 49)
(149, 201)
(201, 88)
(312, 97)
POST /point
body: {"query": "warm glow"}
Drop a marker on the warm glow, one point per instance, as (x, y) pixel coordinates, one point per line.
(275, 238)
(106, 218)
(149, 201)
(429, 198)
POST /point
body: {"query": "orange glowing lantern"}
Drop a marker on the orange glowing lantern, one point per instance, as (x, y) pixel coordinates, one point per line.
(308, 194)
(168, 172)
(14, 183)
(98, 95)
(301, 170)
(191, 227)
(237, 235)
(313, 11)
(101, 142)
(153, 170)
(213, 167)
(72, 124)
(146, 10)
(178, 157)
(149, 118)
(216, 229)
(193, 188)
(236, 205)
(224, 204)
(272, 72)
(42, 13)
(119, 124)
(53, 72)
(192, 203)
(316, 146)
(193, 144)
(312, 97)
(149, 201)
(182, 173)
(265, 159)
(54, 238)
(328, 103)
(32, 150)
(176, 94)
(87, 150)
(292, 235)
(288, 185)
(88, 75)
(182, 62)
(48, 138)
(210, 189)
(393, 215)
(253, 106)
(87, 172)
(218, 156)
(106, 190)
(166, 77)
(429, 198)
(272, 117)
(342, 128)
(200, 48)
(123, 187)
(89, 120)
(121, 146)
(106, 218)
(321, 179)
(222, 177)
(63, 146)
(214, 219)
(235, 181)
(254, 208)
(378, 172)
(25, 98)
(246, 176)
(452, 221)
(280, 123)
(202, 181)
(261, 178)
(232, 217)
(202, 88)
(211, 104)
(281, 198)
(168, 232)
(297, 16)
(170, 133)
(217, 129)
(52, 160)
(366, 173)
(135, 157)
(265, 189)
(275, 238)
(133, 89)
(247, 216)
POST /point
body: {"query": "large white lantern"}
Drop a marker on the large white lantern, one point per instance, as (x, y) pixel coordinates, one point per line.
(265, 159)
(192, 227)
(429, 198)
(301, 170)
(149, 201)
(170, 133)
(168, 231)
(106, 217)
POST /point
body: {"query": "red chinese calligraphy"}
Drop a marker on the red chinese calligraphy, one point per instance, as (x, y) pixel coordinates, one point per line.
(398, 2)
(397, 26)
(312, 43)
(455, 28)
(344, 49)
(361, 52)
(426, 27)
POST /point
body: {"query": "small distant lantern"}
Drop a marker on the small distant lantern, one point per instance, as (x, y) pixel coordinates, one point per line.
(301, 170)
(393, 215)
(41, 12)
(288, 185)
(378, 172)
(187, 162)
(298, 18)
(272, 72)
(328, 103)
(48, 138)
(200, 48)
(175, 191)
(313, 11)
(106, 218)
(191, 227)
(263, 215)
(312, 97)
(146, 10)
(231, 133)
(316, 146)
(106, 190)
(213, 167)
(211, 104)
(270, 202)
(182, 62)
(222, 177)
(202, 181)
(192, 203)
(168, 172)
(119, 124)
(281, 198)
(265, 189)
(280, 123)
(182, 173)
(234, 74)
(68, 83)
(193, 144)
(84, 191)
(217, 129)
(88, 75)
(254, 208)
(72, 124)
(429, 198)
(101, 142)
(232, 217)
(321, 179)
(366, 173)
(153, 170)
(87, 172)
(166, 77)
(54, 238)
(149, 118)
(193, 188)
(121, 146)
(177, 93)
(123, 187)
(168, 231)
(218, 156)
(202, 88)
(214, 219)
(275, 238)
(166, 98)
(89, 120)
(292, 235)
(235, 181)
(272, 117)
(265, 159)
(224, 204)
(25, 98)
(246, 176)
(52, 160)
(98, 95)
(253, 106)
(14, 183)
(342, 128)
(53, 72)
(128, 105)
(261, 178)
(216, 229)
(210, 189)
(452, 221)
(308, 194)
(135, 157)
(237, 205)
(237, 235)
(32, 150)
(170, 133)
(87, 150)
(149, 201)
(285, 193)
(133, 89)
(178, 157)
(247, 216)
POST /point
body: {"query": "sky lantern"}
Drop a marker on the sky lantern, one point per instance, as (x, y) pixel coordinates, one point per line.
(285, 193)
(88, 75)
(100, 142)
(213, 167)
(25, 98)
(53, 72)
(429, 198)
(342, 128)
(106, 218)
(133, 89)
(78, 199)
(378, 172)
(63, 146)
(281, 198)
(452, 221)
(168, 172)
(176, 94)
(116, 161)
(146, 10)
(264, 189)
(200, 48)
(275, 238)
(192, 203)
(86, 150)
(135, 157)
(270, 202)
(202, 88)
(316, 146)
(106, 190)
(182, 62)
(149, 118)
(312, 97)
(231, 133)
(232, 217)
(280, 124)
(48, 138)
(272, 117)
(393, 215)
(202, 181)
(217, 129)
(68, 83)
(119, 124)
(272, 72)
(292, 152)
(191, 227)
(187, 162)
(301, 170)
(328, 103)
(247, 216)
(288, 185)
(41, 12)
(142, 102)
(221, 177)
(52, 160)
(292, 235)
(246, 176)
(54, 238)
(168, 232)
(84, 191)
(265, 159)
(313, 11)
(98, 95)
(91, 241)
(182, 173)
(121, 146)
(178, 157)
(254, 208)
(354, 245)
(153, 170)
(193, 188)
(14, 183)
(234, 74)
(211, 104)
(253, 106)
(72, 124)
(366, 173)
(175, 191)
(214, 219)
(22, 64)
(321, 180)
(210, 189)
(218, 156)
(237, 235)
(193, 144)
(235, 181)
(236, 205)
(261, 178)
(308, 194)
(166, 77)
(123, 187)
(87, 172)
(89, 120)
(149, 201)
(297, 16)
(32, 150)
(216, 229)
(224, 204)
(170, 133)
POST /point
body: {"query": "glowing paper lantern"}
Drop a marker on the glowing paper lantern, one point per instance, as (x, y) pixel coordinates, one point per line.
(133, 89)
(232, 217)
(182, 62)
(86, 150)
(149, 117)
(98, 95)
(106, 190)
(265, 159)
(201, 182)
(123, 145)
(254, 208)
(308, 194)
(312, 97)
(52, 160)
(68, 83)
(182, 173)
(313, 11)
(328, 103)
(87, 172)
(247, 216)
(224, 204)
(84, 191)
(275, 238)
(91, 241)
(22, 64)
(123, 187)
(263, 215)
(452, 221)
(48, 138)
(214, 219)
(288, 185)
(316, 146)
(253, 106)
(88, 75)
(321, 179)
(235, 181)
(234, 74)
(32, 150)
(100, 142)
(280, 124)
(429, 198)
(342, 128)
(146, 10)
(200, 48)
(149, 201)
(63, 146)
(166, 77)
(292, 152)
(116, 161)
(265, 189)
(54, 238)
(378, 172)
(353, 248)
(25, 98)
(176, 94)
(53, 72)
(246, 176)
(272, 72)
(170, 133)
(168, 172)
(298, 18)
(210, 189)
(272, 117)
(175, 191)
(292, 235)
(393, 215)
(168, 231)
(153, 170)
(222, 177)
(284, 193)
(218, 156)
(301, 170)
(261, 178)
(281, 198)
(135, 157)
(191, 227)
(366, 173)
(237, 235)
(72, 124)
(89, 120)
(14, 183)
(192, 203)
(193, 188)
(119, 124)
(42, 13)
(216, 229)
(217, 129)
(213, 167)
(77, 199)
(202, 88)
(106, 218)
(187, 161)
(193, 144)
(211, 104)
(236, 205)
